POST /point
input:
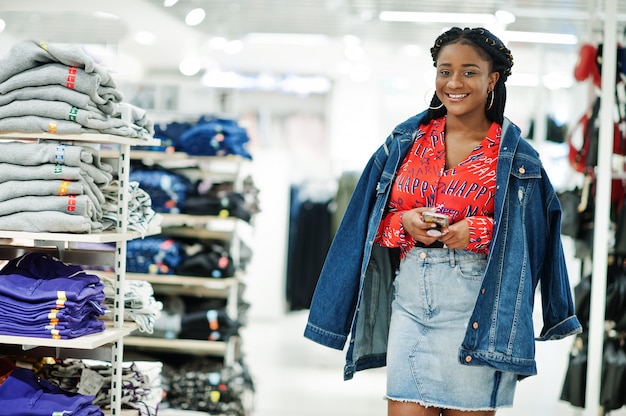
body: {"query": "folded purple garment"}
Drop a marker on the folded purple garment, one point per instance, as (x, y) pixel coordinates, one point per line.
(35, 396)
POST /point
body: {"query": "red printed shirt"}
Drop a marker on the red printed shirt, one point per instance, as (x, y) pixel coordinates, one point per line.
(465, 191)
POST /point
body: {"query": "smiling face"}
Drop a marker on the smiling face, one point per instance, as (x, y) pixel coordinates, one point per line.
(463, 80)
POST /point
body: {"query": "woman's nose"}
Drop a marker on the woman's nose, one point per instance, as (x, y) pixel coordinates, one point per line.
(455, 81)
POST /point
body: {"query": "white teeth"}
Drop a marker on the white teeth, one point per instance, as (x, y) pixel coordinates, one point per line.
(457, 96)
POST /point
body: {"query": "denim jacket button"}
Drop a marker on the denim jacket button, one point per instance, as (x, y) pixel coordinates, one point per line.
(468, 359)
(522, 170)
(423, 255)
(475, 325)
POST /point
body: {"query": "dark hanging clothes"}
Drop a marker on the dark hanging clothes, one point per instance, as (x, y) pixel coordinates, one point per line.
(309, 241)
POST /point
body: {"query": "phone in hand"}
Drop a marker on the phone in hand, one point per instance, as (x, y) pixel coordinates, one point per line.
(441, 220)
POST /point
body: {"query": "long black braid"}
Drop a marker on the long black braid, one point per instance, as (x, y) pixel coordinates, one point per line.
(492, 49)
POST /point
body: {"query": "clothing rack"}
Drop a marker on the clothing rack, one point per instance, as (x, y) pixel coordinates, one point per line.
(602, 214)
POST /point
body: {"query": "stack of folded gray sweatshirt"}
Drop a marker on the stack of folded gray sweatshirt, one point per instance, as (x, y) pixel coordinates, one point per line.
(58, 88)
(52, 187)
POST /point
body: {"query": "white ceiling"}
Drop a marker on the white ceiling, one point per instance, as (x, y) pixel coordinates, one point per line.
(115, 22)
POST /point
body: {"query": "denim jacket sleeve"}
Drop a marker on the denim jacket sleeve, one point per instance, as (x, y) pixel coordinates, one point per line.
(559, 320)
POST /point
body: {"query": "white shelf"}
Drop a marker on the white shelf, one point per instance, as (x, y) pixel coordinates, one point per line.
(183, 346)
(208, 227)
(86, 342)
(218, 284)
(104, 237)
(84, 137)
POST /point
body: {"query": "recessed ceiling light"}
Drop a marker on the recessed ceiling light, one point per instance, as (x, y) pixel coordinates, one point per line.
(233, 47)
(195, 17)
(189, 66)
(505, 17)
(538, 37)
(428, 17)
(145, 38)
(169, 3)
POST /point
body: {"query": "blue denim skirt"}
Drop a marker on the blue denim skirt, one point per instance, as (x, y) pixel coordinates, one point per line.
(434, 296)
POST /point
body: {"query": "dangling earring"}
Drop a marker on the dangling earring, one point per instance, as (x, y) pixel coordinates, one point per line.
(435, 108)
(493, 94)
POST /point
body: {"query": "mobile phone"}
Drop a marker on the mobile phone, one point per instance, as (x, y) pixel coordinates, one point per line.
(441, 220)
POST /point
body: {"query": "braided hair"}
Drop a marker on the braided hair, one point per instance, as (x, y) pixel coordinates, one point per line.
(490, 48)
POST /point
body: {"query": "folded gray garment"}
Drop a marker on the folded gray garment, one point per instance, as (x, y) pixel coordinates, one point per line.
(50, 222)
(36, 124)
(59, 74)
(138, 119)
(69, 204)
(57, 93)
(16, 189)
(140, 215)
(57, 110)
(30, 154)
(9, 172)
(29, 54)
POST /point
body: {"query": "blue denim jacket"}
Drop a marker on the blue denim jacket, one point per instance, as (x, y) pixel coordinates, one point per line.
(354, 291)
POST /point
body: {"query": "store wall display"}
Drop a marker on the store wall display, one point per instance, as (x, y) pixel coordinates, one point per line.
(59, 110)
(580, 210)
(197, 265)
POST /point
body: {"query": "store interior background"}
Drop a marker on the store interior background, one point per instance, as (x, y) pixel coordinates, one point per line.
(318, 84)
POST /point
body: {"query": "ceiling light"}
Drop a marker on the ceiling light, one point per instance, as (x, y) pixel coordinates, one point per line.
(428, 17)
(217, 42)
(505, 17)
(189, 66)
(233, 47)
(3, 25)
(145, 38)
(538, 37)
(169, 3)
(296, 39)
(195, 17)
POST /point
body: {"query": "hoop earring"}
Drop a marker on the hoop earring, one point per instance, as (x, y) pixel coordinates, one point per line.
(493, 94)
(429, 107)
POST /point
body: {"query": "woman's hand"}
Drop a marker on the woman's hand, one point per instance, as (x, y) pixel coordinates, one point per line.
(455, 236)
(414, 224)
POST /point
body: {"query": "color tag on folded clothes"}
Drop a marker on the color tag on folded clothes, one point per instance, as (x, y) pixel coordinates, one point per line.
(90, 382)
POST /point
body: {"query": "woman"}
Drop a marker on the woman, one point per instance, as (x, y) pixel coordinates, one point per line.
(449, 312)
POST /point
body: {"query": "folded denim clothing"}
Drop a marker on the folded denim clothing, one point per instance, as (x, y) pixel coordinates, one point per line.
(215, 137)
(57, 93)
(49, 222)
(29, 54)
(74, 78)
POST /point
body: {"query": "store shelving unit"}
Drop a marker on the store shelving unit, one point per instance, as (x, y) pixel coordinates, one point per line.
(235, 233)
(63, 246)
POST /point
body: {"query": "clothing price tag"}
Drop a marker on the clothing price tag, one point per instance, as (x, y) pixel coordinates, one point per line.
(90, 382)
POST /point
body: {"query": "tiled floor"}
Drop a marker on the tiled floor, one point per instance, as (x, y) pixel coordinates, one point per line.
(296, 377)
